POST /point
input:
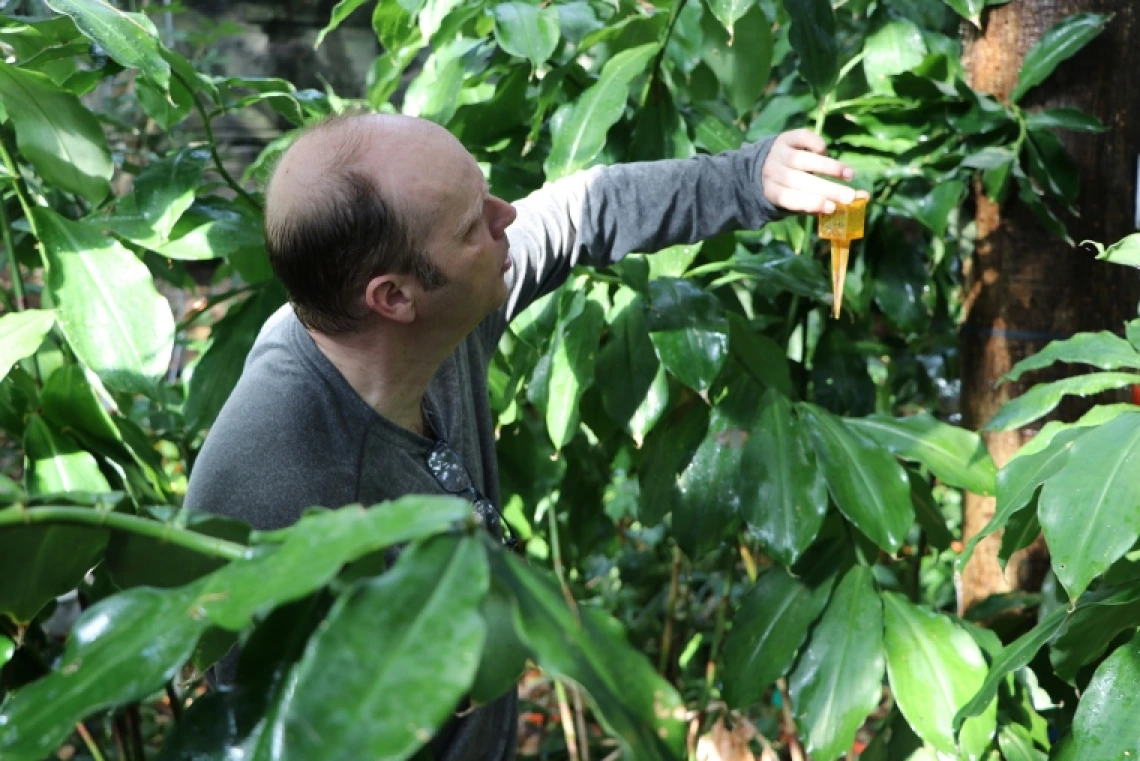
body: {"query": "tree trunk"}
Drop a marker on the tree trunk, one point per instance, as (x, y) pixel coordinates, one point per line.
(1023, 287)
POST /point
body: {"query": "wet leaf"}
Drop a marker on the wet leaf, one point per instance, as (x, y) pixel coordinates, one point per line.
(128, 38)
(1043, 398)
(526, 31)
(1104, 350)
(689, 331)
(627, 365)
(1061, 42)
(21, 333)
(1105, 723)
(741, 58)
(812, 35)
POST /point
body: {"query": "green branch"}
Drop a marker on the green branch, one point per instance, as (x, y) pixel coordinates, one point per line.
(242, 193)
(131, 524)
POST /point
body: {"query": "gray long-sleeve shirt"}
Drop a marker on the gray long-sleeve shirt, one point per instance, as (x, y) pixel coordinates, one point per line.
(295, 434)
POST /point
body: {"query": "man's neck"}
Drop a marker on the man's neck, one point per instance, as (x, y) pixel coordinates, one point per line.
(390, 369)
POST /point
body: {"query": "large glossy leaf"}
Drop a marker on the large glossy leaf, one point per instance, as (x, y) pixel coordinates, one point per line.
(969, 9)
(728, 12)
(812, 35)
(894, 48)
(1105, 723)
(122, 36)
(586, 646)
(1090, 630)
(717, 482)
(955, 455)
(526, 31)
(1018, 482)
(763, 358)
(1061, 42)
(121, 649)
(767, 632)
(741, 58)
(162, 193)
(314, 550)
(1103, 350)
(628, 355)
(504, 656)
(391, 661)
(55, 464)
(108, 308)
(867, 484)
(1072, 119)
(56, 134)
(689, 330)
(42, 562)
(21, 333)
(838, 679)
(219, 368)
(1042, 399)
(572, 370)
(434, 93)
(934, 667)
(1016, 744)
(579, 129)
(785, 509)
(668, 449)
(212, 228)
(1090, 510)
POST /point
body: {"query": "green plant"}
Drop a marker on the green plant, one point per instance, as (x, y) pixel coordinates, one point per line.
(722, 477)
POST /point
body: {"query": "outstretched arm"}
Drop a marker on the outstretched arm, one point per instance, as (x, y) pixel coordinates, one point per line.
(598, 216)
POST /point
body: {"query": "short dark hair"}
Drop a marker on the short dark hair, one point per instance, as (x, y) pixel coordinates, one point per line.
(346, 234)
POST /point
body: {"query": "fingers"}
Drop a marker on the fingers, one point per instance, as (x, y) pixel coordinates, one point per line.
(803, 139)
(790, 180)
(824, 191)
(810, 162)
(797, 200)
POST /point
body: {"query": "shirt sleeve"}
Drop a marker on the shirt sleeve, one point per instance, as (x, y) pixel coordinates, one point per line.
(597, 216)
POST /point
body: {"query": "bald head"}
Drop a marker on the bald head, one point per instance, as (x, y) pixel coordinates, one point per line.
(347, 202)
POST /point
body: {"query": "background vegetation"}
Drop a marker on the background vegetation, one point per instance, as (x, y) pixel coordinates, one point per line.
(751, 513)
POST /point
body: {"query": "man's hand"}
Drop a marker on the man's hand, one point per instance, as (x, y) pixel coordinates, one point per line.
(789, 175)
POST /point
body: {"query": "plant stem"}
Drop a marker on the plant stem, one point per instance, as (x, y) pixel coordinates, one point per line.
(556, 556)
(89, 741)
(670, 611)
(567, 721)
(17, 280)
(580, 727)
(175, 701)
(134, 727)
(85, 516)
(718, 635)
(229, 180)
(794, 748)
(21, 195)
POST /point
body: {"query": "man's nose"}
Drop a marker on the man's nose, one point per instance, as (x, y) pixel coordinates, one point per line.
(507, 215)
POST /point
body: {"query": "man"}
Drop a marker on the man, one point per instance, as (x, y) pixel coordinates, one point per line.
(403, 272)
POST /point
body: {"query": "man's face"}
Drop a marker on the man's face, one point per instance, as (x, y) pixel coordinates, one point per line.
(464, 228)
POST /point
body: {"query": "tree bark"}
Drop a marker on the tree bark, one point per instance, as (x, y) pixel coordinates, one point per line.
(1023, 287)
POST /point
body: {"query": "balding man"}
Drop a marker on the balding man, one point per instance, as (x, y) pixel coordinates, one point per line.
(403, 272)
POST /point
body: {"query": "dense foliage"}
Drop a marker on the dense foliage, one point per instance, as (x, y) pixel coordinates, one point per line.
(750, 509)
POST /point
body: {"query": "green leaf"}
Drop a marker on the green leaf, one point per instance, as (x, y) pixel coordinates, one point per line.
(1125, 251)
(1041, 399)
(69, 402)
(123, 36)
(170, 107)
(728, 12)
(934, 667)
(21, 333)
(342, 10)
(572, 370)
(1013, 656)
(971, 10)
(1072, 119)
(927, 513)
(220, 366)
(526, 31)
(1051, 166)
(434, 93)
(42, 562)
(1018, 481)
(504, 656)
(108, 308)
(1017, 744)
(955, 455)
(1061, 42)
(162, 193)
(767, 632)
(56, 134)
(742, 58)
(894, 48)
(867, 484)
(1022, 529)
(762, 357)
(1090, 630)
(212, 228)
(55, 464)
(668, 449)
(1031, 198)
(578, 130)
(7, 650)
(786, 508)
(391, 661)
(121, 649)
(1103, 350)
(838, 678)
(314, 550)
(812, 35)
(1105, 723)
(1100, 476)
(628, 355)
(689, 331)
(135, 560)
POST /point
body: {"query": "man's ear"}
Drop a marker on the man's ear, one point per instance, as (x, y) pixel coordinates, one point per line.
(393, 297)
